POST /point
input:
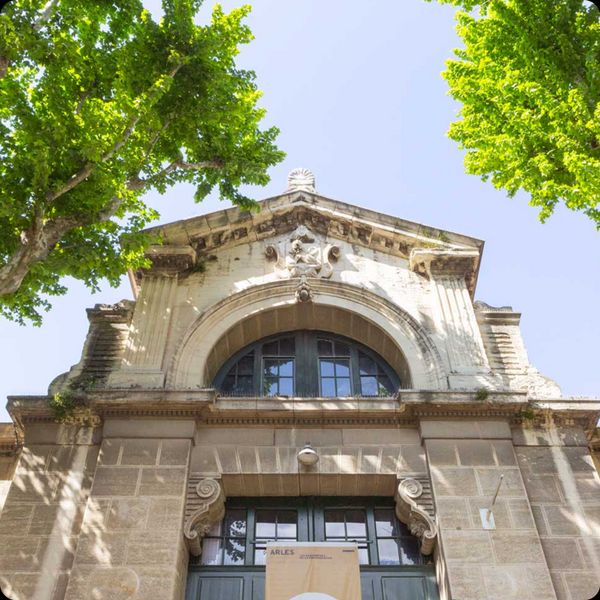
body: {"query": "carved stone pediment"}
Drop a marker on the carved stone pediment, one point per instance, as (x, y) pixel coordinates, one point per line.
(303, 255)
(205, 507)
(419, 522)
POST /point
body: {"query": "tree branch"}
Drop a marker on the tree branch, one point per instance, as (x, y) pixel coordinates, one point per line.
(40, 239)
(135, 183)
(45, 15)
(87, 169)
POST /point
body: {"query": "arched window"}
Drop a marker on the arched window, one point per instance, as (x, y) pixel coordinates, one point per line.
(307, 364)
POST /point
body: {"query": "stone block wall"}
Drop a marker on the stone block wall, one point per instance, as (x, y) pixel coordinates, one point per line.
(131, 544)
(43, 512)
(466, 460)
(352, 462)
(564, 490)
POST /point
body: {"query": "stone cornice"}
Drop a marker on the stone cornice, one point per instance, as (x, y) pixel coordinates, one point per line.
(405, 410)
(184, 242)
(435, 262)
(9, 442)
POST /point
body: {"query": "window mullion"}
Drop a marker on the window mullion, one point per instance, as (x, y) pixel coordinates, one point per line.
(354, 371)
(250, 526)
(372, 536)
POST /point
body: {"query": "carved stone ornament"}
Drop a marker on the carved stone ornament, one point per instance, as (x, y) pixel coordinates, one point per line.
(421, 525)
(303, 256)
(210, 509)
(301, 180)
(304, 292)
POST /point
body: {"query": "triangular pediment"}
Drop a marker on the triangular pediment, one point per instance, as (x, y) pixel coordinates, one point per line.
(188, 240)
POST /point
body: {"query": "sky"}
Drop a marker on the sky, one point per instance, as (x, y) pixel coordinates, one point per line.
(356, 90)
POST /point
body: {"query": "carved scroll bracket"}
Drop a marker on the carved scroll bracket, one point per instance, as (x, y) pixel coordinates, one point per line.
(421, 525)
(205, 507)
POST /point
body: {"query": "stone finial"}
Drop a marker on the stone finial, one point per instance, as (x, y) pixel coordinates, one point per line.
(301, 180)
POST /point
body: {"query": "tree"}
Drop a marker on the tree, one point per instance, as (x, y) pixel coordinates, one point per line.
(98, 104)
(528, 78)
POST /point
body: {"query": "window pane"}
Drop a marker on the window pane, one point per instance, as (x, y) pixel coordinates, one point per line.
(327, 368)
(244, 385)
(368, 386)
(388, 552)
(287, 346)
(270, 367)
(211, 552)
(409, 552)
(363, 556)
(270, 387)
(342, 349)
(286, 386)
(228, 383)
(246, 364)
(386, 522)
(334, 524)
(343, 387)
(271, 348)
(286, 368)
(385, 386)
(324, 348)
(356, 526)
(328, 387)
(235, 523)
(286, 524)
(260, 556)
(342, 367)
(366, 364)
(265, 523)
(235, 551)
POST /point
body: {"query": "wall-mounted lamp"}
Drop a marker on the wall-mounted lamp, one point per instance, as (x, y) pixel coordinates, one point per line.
(308, 455)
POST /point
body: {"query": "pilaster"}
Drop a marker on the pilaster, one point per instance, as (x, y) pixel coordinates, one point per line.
(564, 490)
(132, 544)
(143, 360)
(41, 521)
(466, 461)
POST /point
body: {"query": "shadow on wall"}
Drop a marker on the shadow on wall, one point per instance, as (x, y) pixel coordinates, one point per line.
(42, 518)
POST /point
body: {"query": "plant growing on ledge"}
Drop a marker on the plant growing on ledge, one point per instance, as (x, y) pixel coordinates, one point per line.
(481, 394)
(62, 406)
(99, 103)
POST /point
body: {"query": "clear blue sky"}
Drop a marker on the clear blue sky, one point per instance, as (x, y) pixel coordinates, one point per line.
(355, 88)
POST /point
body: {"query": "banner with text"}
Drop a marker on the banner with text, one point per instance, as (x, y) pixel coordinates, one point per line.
(312, 571)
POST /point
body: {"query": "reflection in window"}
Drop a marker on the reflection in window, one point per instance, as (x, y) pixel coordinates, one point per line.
(305, 364)
(395, 544)
(373, 379)
(348, 525)
(239, 381)
(225, 543)
(270, 526)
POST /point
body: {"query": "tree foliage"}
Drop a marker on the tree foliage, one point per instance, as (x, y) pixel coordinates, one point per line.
(98, 104)
(528, 78)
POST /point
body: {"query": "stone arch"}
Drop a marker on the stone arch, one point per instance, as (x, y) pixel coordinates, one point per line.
(336, 307)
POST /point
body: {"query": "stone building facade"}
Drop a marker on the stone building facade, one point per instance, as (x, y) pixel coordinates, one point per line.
(254, 334)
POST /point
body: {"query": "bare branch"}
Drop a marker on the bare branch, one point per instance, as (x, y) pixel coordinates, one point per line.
(45, 15)
(87, 169)
(135, 183)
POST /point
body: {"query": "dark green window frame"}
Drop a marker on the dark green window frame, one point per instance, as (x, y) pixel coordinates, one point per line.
(344, 368)
(382, 532)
